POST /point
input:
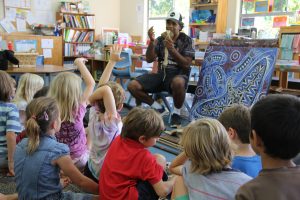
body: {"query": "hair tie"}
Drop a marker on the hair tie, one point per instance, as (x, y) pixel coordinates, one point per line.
(46, 117)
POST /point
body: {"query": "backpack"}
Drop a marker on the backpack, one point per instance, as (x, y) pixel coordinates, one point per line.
(5, 56)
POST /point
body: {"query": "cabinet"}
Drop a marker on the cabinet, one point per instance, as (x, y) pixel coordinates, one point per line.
(78, 33)
(283, 76)
(218, 7)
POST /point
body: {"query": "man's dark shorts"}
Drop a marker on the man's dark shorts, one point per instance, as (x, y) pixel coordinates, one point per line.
(157, 82)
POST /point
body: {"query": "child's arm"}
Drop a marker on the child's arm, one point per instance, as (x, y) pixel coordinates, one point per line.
(69, 169)
(87, 78)
(176, 165)
(115, 52)
(163, 188)
(11, 147)
(179, 189)
(106, 94)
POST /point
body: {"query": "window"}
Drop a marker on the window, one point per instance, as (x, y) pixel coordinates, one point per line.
(159, 9)
(268, 15)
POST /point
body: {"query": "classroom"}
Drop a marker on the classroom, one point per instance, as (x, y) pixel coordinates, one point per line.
(150, 99)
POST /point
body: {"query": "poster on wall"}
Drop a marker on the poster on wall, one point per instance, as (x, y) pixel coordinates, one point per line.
(248, 21)
(261, 6)
(279, 21)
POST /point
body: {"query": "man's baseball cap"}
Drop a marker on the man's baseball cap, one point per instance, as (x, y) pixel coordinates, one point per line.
(175, 16)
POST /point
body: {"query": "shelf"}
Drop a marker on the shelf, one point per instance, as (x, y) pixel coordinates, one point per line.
(88, 29)
(203, 5)
(76, 13)
(79, 42)
(197, 24)
(201, 43)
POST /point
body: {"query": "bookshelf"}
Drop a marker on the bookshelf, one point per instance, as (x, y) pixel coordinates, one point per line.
(78, 33)
(219, 7)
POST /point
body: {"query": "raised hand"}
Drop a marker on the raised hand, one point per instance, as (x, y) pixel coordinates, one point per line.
(115, 52)
(151, 34)
(80, 61)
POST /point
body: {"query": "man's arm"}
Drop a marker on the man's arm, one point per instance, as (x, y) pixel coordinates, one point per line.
(150, 53)
(183, 61)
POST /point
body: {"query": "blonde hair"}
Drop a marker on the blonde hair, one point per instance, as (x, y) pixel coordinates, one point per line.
(6, 83)
(207, 145)
(118, 93)
(65, 88)
(142, 122)
(40, 113)
(28, 85)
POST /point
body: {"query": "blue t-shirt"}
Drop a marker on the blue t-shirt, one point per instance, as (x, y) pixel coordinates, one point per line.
(249, 165)
(9, 121)
(36, 177)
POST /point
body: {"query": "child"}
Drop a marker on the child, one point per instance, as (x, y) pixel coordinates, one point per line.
(28, 85)
(41, 93)
(9, 123)
(206, 163)
(128, 160)
(39, 158)
(275, 137)
(105, 122)
(66, 90)
(236, 120)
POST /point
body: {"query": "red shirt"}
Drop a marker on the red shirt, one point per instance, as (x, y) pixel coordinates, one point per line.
(126, 162)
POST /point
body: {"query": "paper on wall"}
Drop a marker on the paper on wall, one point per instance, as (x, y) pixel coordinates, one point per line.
(10, 13)
(7, 25)
(30, 18)
(47, 43)
(47, 53)
(21, 25)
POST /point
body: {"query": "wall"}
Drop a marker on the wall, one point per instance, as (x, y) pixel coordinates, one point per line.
(133, 17)
(233, 17)
(107, 14)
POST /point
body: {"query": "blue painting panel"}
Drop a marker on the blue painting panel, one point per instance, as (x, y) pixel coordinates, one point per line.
(232, 75)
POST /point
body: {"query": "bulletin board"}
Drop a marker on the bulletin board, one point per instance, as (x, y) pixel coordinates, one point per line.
(19, 15)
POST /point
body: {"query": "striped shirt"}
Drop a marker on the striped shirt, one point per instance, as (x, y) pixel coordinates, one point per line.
(9, 122)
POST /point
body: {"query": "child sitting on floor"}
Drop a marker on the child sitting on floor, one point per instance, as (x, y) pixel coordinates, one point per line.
(237, 122)
(105, 122)
(39, 158)
(28, 85)
(9, 123)
(275, 137)
(206, 171)
(66, 89)
(128, 161)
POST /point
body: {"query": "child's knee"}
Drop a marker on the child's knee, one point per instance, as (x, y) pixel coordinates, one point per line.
(161, 160)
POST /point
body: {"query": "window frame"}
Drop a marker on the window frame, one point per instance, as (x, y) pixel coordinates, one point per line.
(263, 14)
(155, 18)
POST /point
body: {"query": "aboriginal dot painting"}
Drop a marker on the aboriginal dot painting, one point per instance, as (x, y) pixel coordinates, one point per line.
(232, 75)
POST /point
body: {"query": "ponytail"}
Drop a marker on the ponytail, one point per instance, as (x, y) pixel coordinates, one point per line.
(33, 133)
(40, 113)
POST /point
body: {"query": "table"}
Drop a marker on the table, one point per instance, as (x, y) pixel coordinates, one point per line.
(283, 67)
(46, 71)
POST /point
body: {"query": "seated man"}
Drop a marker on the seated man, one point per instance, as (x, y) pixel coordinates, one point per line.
(174, 51)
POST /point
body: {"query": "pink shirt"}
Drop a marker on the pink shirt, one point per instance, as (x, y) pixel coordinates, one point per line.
(73, 134)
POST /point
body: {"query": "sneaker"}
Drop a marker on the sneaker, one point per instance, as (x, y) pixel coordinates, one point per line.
(175, 120)
(162, 111)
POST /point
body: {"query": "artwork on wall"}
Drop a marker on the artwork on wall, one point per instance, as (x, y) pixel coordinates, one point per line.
(232, 75)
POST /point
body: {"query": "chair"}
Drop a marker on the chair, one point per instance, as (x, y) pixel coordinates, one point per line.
(122, 70)
(164, 94)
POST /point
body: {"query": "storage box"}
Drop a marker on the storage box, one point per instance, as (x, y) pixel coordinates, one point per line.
(26, 59)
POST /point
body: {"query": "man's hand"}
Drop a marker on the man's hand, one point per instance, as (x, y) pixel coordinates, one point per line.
(168, 42)
(115, 52)
(151, 34)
